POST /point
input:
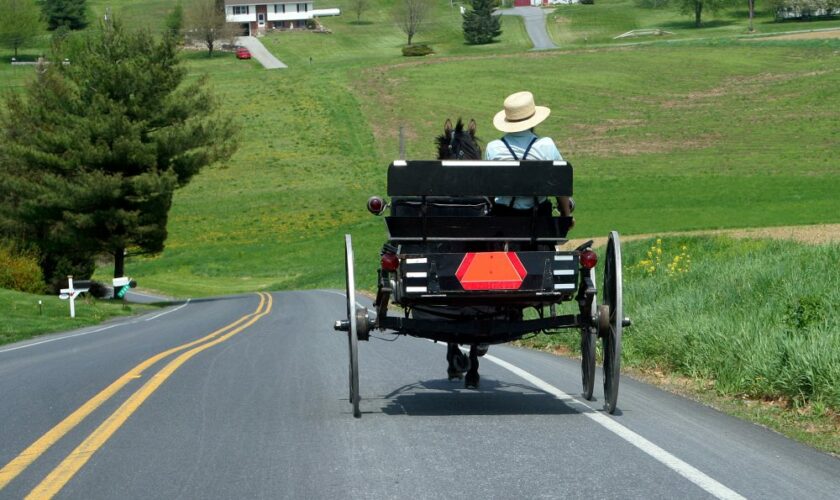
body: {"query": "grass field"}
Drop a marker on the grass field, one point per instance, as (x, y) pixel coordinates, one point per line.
(606, 19)
(663, 138)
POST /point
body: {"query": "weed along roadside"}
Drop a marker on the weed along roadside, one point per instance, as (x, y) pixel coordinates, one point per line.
(730, 323)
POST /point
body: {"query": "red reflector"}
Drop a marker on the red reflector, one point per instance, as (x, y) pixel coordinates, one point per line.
(375, 205)
(491, 271)
(389, 262)
(588, 259)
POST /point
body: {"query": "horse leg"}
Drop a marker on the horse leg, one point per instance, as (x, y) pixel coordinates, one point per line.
(458, 363)
(471, 381)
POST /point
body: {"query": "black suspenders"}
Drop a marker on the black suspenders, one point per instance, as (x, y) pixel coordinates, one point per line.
(524, 157)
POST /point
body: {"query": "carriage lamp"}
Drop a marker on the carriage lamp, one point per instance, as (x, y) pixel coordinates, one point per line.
(376, 205)
(588, 259)
(389, 261)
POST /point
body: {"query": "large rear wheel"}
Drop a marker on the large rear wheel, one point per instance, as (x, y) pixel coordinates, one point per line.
(611, 320)
(588, 339)
(352, 338)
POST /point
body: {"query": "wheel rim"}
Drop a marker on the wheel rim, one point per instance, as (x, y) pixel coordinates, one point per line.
(352, 338)
(612, 337)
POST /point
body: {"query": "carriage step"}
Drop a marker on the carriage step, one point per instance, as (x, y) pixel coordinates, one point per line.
(626, 322)
(342, 325)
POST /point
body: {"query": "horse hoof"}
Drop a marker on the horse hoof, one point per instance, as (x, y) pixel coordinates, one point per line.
(471, 382)
(454, 375)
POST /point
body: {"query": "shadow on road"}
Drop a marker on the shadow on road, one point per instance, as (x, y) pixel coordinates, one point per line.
(442, 397)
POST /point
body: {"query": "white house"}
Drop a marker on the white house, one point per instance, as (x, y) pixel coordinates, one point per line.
(537, 3)
(256, 18)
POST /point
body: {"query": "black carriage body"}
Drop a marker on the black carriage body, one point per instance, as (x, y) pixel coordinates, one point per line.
(464, 274)
(505, 278)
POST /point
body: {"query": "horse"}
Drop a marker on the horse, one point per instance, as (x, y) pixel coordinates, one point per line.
(458, 144)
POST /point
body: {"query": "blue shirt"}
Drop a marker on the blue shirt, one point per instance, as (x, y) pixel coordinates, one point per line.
(543, 149)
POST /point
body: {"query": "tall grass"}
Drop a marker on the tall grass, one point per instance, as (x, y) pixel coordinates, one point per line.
(759, 318)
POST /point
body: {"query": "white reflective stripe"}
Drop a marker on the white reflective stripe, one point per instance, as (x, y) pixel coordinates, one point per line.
(422, 260)
(399, 163)
(415, 289)
(416, 275)
(564, 257)
(560, 163)
(564, 286)
(564, 272)
(484, 163)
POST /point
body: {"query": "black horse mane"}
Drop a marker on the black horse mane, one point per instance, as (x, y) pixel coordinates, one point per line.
(458, 144)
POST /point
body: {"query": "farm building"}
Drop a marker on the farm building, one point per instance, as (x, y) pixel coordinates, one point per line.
(256, 18)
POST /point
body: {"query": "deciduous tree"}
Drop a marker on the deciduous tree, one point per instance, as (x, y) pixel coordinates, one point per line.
(410, 16)
(359, 7)
(206, 24)
(20, 22)
(93, 150)
(696, 7)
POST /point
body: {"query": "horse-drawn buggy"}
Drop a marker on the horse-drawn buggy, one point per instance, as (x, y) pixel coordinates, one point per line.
(452, 271)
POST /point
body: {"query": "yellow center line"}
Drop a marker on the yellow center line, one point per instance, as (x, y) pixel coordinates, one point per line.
(65, 471)
(36, 449)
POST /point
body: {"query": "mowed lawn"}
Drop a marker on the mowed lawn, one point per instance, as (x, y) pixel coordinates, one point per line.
(662, 138)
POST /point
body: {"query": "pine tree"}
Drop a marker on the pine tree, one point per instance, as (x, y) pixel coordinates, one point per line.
(95, 149)
(480, 25)
(69, 13)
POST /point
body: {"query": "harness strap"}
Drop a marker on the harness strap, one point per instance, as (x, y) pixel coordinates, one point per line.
(524, 157)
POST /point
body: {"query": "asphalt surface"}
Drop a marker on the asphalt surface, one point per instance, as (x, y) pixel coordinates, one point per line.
(534, 18)
(264, 414)
(260, 53)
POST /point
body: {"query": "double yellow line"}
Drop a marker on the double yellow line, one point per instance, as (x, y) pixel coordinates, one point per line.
(65, 471)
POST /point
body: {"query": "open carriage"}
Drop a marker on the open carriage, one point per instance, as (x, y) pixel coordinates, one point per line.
(461, 275)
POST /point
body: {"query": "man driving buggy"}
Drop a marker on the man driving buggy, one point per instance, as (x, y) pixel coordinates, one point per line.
(520, 142)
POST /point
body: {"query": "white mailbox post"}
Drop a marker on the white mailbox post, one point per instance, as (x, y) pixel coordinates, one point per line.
(71, 293)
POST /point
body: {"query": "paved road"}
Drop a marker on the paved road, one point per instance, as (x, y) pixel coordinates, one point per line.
(263, 414)
(534, 24)
(260, 53)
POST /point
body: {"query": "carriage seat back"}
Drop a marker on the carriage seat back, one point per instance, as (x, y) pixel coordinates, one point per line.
(448, 200)
(479, 178)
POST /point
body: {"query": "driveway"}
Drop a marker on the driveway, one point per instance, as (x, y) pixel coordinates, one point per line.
(260, 53)
(534, 23)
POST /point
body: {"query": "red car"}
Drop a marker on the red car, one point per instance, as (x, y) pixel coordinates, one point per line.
(243, 53)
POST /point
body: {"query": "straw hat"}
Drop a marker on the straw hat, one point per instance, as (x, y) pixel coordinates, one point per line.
(520, 113)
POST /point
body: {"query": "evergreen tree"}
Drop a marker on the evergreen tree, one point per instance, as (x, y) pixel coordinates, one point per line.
(175, 21)
(480, 25)
(94, 150)
(70, 13)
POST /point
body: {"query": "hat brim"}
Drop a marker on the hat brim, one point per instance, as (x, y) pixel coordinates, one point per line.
(502, 124)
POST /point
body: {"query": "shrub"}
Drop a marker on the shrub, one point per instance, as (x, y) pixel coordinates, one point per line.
(19, 269)
(587, 2)
(417, 50)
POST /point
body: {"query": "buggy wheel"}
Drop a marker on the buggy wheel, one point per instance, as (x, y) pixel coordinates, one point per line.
(588, 339)
(352, 338)
(610, 330)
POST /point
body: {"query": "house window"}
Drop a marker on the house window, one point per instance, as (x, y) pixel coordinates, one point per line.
(303, 7)
(279, 8)
(240, 9)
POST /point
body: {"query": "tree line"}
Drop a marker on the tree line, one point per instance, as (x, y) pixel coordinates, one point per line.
(91, 152)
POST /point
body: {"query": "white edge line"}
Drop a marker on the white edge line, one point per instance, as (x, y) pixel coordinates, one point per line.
(342, 294)
(679, 466)
(185, 304)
